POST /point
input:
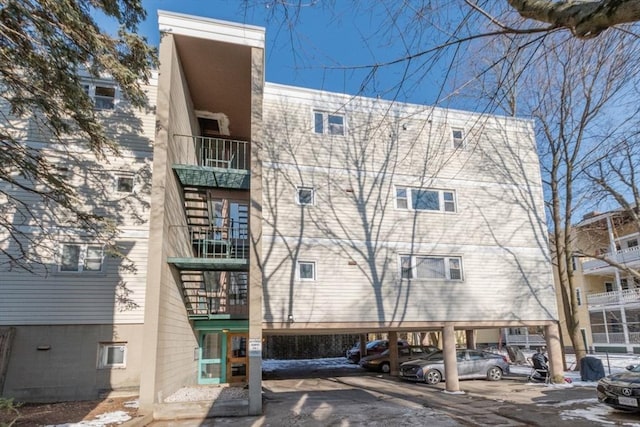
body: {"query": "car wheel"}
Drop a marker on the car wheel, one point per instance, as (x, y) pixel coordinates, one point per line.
(432, 377)
(385, 368)
(494, 374)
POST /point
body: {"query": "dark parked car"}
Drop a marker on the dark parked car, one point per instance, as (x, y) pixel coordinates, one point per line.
(372, 347)
(471, 364)
(382, 361)
(621, 390)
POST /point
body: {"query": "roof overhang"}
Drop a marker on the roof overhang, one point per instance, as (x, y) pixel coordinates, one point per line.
(211, 29)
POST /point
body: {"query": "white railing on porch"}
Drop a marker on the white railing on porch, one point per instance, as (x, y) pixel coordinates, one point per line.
(525, 340)
(614, 338)
(623, 256)
(614, 298)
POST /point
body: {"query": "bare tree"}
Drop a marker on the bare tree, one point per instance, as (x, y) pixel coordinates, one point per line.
(573, 88)
(615, 176)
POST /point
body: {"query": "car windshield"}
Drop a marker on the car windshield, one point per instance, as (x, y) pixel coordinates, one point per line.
(372, 344)
(635, 368)
(436, 355)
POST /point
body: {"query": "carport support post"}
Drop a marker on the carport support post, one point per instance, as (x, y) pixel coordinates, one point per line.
(393, 352)
(363, 345)
(554, 353)
(450, 360)
(471, 339)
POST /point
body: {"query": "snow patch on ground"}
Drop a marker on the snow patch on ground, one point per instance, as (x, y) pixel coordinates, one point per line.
(102, 420)
(132, 404)
(597, 413)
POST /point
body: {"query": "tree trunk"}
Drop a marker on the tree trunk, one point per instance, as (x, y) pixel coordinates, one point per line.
(585, 19)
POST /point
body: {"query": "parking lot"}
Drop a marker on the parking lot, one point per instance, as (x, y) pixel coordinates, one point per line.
(312, 395)
(358, 398)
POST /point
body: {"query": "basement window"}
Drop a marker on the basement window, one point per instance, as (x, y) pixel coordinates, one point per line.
(112, 355)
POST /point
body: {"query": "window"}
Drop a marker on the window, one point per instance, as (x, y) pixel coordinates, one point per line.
(327, 123)
(306, 196)
(431, 267)
(457, 135)
(608, 287)
(425, 199)
(80, 257)
(306, 270)
(578, 296)
(112, 355)
(103, 95)
(124, 184)
(401, 198)
(632, 243)
(624, 284)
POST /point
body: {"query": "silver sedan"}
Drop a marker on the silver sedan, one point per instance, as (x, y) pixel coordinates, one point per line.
(471, 364)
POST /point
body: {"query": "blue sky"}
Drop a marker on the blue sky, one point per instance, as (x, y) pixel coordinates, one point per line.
(320, 50)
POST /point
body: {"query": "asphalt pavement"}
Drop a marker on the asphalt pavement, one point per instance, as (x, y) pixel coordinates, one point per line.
(350, 397)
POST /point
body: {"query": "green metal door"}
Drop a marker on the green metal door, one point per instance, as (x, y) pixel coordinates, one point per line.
(213, 351)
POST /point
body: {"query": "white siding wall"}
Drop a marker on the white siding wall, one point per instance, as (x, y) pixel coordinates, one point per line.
(497, 229)
(116, 294)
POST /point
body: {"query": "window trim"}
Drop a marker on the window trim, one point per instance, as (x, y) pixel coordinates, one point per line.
(313, 195)
(447, 267)
(326, 125)
(442, 201)
(90, 90)
(461, 142)
(314, 271)
(124, 175)
(103, 355)
(83, 257)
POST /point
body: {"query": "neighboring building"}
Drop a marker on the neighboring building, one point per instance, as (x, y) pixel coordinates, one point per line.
(277, 210)
(609, 297)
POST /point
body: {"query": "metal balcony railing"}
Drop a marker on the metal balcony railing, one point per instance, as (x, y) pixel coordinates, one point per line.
(225, 241)
(220, 152)
(214, 293)
(211, 241)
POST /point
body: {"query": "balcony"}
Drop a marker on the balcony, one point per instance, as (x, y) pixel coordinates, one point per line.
(624, 256)
(211, 247)
(215, 295)
(222, 163)
(624, 297)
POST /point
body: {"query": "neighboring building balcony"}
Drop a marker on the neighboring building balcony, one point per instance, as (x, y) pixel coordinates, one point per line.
(624, 297)
(624, 256)
(222, 163)
(525, 340)
(211, 247)
(614, 338)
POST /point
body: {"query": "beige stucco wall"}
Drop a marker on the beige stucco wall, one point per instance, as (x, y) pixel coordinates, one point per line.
(169, 338)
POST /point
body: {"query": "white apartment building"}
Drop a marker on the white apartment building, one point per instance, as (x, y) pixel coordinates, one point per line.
(283, 210)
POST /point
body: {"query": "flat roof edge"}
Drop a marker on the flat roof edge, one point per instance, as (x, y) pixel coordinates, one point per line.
(211, 29)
